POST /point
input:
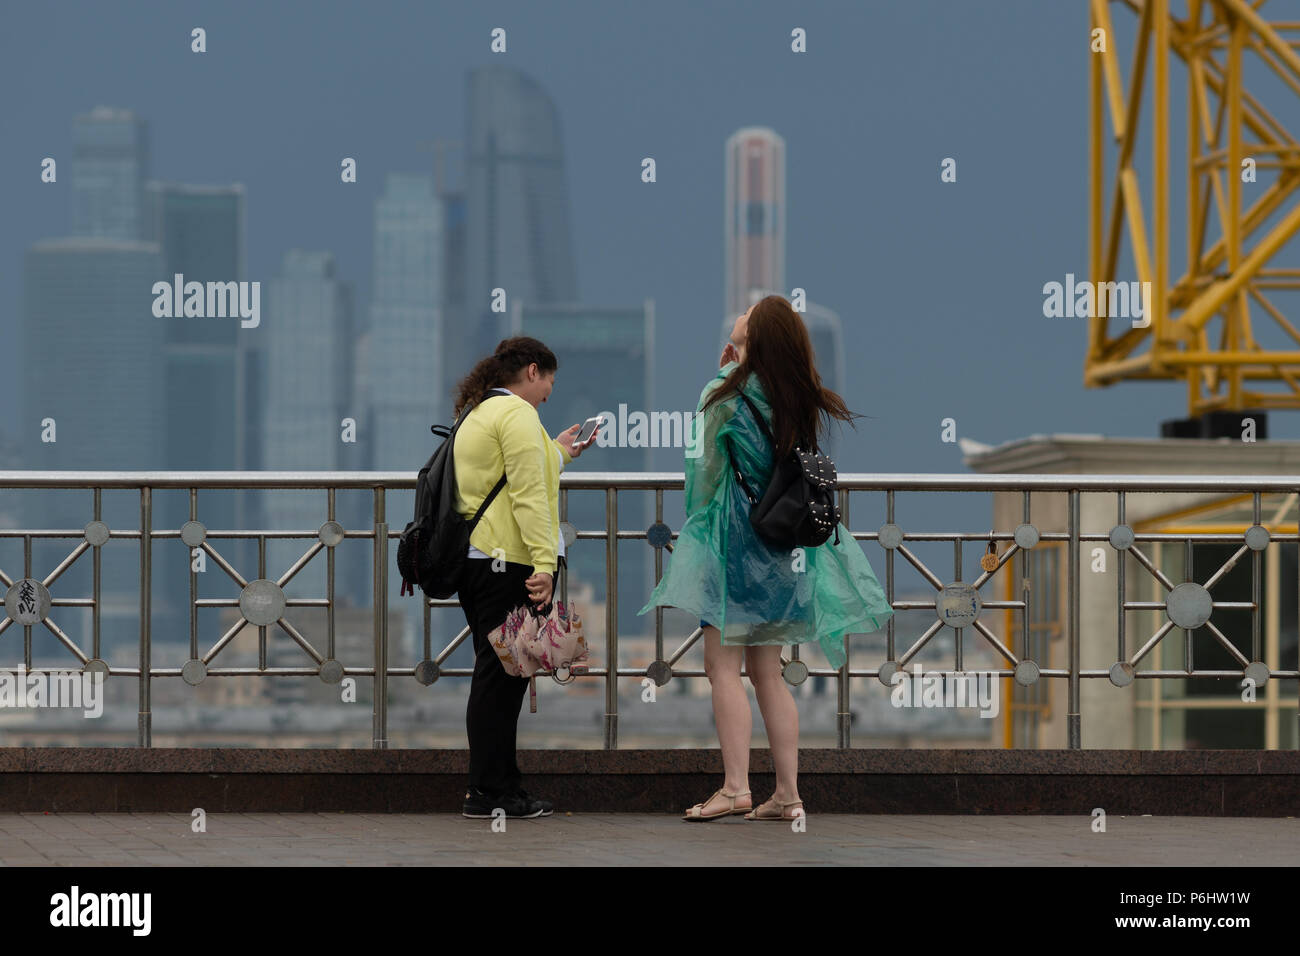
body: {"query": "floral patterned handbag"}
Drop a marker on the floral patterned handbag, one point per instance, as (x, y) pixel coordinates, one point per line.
(534, 638)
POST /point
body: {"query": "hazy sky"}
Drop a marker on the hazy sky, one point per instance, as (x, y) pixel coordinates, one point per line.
(939, 285)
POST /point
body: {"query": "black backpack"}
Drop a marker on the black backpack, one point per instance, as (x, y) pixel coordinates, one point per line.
(432, 550)
(799, 508)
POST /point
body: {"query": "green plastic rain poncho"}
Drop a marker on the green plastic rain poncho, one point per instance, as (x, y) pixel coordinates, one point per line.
(721, 570)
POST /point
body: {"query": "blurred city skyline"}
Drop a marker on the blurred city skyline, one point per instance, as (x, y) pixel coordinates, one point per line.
(868, 218)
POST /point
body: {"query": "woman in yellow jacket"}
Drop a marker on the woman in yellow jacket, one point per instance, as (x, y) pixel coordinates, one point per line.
(513, 551)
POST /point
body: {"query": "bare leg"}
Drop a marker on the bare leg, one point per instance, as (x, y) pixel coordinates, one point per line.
(732, 715)
(780, 717)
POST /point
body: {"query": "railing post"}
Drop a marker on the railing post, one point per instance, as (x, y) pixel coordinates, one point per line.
(611, 618)
(144, 719)
(844, 715)
(380, 714)
(1072, 716)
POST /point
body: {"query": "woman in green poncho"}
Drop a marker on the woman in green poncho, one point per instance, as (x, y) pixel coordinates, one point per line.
(754, 598)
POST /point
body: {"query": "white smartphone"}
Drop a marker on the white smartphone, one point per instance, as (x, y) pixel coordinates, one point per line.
(588, 431)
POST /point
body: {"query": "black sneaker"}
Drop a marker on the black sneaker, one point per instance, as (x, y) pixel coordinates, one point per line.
(526, 805)
(478, 805)
(517, 804)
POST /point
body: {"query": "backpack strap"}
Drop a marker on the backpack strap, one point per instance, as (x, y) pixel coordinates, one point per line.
(749, 493)
(762, 422)
(753, 500)
(501, 483)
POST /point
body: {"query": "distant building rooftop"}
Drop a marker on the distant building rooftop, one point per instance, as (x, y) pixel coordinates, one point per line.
(93, 244)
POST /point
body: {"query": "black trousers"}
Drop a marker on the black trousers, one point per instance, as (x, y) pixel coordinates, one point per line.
(495, 698)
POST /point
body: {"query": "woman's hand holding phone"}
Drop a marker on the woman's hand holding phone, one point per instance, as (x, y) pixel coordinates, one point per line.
(576, 438)
(568, 438)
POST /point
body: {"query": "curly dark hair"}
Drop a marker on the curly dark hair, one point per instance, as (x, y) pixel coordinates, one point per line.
(501, 368)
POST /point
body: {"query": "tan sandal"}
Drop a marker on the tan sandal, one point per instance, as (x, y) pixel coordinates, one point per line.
(773, 814)
(697, 812)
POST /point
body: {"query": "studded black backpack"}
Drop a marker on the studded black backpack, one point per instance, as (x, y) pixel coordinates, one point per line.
(799, 509)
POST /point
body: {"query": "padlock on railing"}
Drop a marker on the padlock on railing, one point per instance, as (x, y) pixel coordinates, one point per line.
(989, 560)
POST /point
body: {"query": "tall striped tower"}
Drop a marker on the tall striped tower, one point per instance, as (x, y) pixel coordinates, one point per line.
(754, 219)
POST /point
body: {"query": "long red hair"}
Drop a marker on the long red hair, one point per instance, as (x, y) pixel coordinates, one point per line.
(779, 351)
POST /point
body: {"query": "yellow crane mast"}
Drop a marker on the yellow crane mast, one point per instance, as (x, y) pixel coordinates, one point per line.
(1238, 154)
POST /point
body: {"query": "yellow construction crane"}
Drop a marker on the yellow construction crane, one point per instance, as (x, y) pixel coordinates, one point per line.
(1238, 154)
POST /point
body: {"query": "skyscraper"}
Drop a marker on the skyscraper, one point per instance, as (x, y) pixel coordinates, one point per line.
(754, 234)
(517, 203)
(201, 232)
(93, 354)
(404, 380)
(93, 382)
(454, 314)
(754, 215)
(110, 162)
(307, 331)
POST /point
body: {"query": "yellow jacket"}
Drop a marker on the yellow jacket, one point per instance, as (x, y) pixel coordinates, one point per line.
(505, 434)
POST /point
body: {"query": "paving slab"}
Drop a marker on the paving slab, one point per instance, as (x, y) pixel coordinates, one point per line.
(439, 839)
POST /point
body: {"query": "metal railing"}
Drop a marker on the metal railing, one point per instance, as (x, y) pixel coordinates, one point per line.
(957, 605)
